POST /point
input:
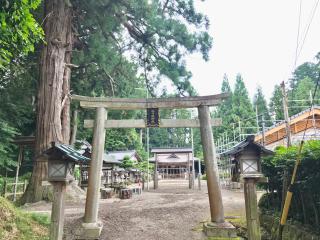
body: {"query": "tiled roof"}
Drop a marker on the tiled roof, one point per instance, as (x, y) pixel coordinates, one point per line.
(241, 145)
(119, 155)
(171, 150)
(67, 151)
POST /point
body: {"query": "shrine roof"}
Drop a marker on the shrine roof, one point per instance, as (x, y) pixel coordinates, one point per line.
(67, 151)
(171, 150)
(249, 141)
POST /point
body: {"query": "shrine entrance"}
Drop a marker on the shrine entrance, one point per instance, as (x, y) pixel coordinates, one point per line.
(91, 226)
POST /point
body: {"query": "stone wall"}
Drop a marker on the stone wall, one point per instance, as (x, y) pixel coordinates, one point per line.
(290, 232)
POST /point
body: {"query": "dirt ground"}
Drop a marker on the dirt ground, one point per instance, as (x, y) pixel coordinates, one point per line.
(171, 212)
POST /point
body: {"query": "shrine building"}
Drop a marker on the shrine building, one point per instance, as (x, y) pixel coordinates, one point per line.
(174, 162)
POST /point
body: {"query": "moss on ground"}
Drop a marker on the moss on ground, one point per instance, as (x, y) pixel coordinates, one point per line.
(17, 224)
(215, 238)
(237, 220)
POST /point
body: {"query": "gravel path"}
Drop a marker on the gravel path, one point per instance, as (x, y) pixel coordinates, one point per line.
(172, 212)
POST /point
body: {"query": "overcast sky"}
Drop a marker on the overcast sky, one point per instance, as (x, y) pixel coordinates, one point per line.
(255, 38)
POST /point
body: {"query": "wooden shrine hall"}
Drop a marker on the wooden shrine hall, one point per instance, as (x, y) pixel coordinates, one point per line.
(174, 162)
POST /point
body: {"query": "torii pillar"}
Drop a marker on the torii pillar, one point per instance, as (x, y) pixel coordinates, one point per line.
(217, 227)
(91, 226)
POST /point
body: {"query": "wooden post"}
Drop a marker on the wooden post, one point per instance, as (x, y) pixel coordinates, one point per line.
(57, 213)
(94, 181)
(20, 156)
(189, 172)
(155, 177)
(252, 217)
(286, 113)
(199, 174)
(209, 153)
(80, 178)
(25, 184)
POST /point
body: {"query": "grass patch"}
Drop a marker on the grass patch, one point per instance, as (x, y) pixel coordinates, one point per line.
(17, 224)
(240, 222)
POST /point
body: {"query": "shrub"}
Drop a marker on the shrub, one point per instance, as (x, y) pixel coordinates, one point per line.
(305, 205)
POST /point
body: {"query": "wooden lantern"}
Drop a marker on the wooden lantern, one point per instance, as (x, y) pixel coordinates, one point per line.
(60, 170)
(61, 162)
(246, 157)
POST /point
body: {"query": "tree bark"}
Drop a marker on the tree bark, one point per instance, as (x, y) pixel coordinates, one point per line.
(74, 127)
(53, 119)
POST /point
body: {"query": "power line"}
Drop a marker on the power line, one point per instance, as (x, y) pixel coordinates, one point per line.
(298, 35)
(312, 103)
(308, 27)
(306, 31)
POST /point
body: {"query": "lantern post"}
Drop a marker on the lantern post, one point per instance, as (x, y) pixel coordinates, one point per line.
(250, 165)
(247, 157)
(61, 162)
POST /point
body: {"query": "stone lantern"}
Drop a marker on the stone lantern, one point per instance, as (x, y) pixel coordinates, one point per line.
(246, 157)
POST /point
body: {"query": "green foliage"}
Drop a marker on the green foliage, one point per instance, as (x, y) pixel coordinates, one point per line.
(17, 95)
(237, 107)
(306, 70)
(260, 105)
(22, 225)
(6, 147)
(121, 139)
(127, 163)
(19, 31)
(242, 108)
(275, 105)
(302, 84)
(305, 205)
(171, 137)
(155, 35)
(303, 91)
(224, 111)
(143, 166)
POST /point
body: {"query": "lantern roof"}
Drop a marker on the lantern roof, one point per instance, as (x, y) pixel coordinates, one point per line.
(65, 152)
(247, 143)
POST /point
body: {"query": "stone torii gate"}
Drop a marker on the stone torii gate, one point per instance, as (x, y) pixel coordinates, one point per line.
(91, 226)
(163, 123)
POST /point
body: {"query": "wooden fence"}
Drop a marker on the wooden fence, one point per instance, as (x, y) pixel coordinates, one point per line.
(11, 190)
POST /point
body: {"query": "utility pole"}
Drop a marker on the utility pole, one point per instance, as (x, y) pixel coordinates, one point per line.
(263, 131)
(239, 126)
(313, 118)
(257, 119)
(286, 113)
(148, 149)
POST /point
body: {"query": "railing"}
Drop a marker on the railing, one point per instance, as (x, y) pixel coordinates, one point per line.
(14, 189)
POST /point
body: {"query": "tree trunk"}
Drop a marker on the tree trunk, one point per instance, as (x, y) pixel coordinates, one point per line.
(74, 127)
(53, 105)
